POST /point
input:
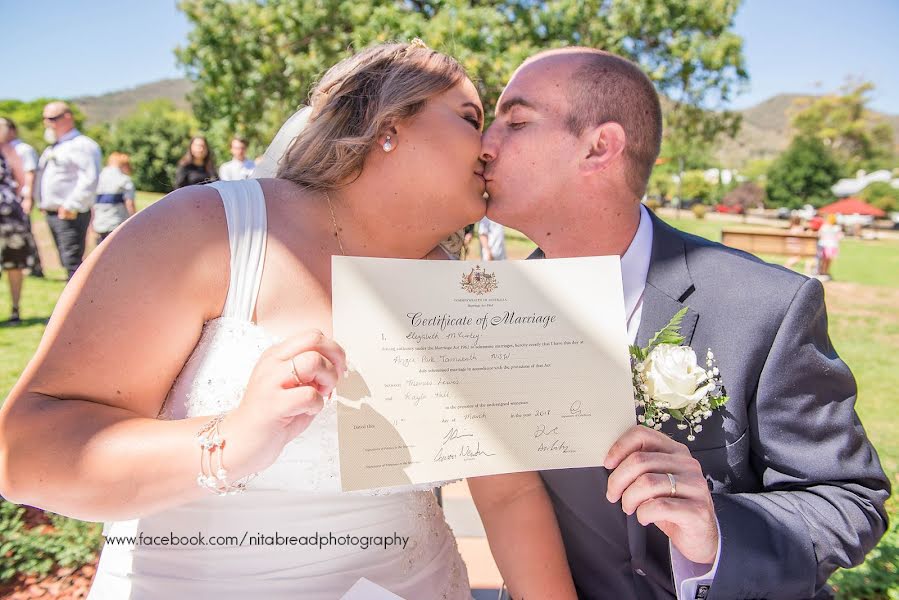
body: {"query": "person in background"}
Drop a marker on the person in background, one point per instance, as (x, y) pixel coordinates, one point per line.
(115, 196)
(15, 234)
(467, 236)
(829, 237)
(239, 167)
(67, 183)
(493, 240)
(29, 158)
(197, 165)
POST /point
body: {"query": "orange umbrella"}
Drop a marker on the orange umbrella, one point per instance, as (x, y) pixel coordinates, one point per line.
(852, 206)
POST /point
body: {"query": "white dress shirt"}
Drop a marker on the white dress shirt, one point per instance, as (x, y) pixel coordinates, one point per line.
(234, 170)
(688, 576)
(69, 170)
(496, 239)
(27, 154)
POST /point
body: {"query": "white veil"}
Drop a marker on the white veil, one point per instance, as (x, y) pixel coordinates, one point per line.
(271, 159)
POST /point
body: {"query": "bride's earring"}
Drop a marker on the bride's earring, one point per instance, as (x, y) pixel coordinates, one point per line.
(388, 145)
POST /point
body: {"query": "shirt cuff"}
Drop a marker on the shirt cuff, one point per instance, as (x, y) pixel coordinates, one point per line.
(693, 581)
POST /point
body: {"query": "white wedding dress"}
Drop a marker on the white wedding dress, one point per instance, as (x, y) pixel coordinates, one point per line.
(299, 495)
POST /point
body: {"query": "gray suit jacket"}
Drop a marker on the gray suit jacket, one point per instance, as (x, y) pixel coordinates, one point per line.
(798, 488)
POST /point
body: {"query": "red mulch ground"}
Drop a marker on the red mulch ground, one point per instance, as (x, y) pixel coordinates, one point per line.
(64, 584)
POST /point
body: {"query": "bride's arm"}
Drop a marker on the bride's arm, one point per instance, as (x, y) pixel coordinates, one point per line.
(78, 433)
(524, 535)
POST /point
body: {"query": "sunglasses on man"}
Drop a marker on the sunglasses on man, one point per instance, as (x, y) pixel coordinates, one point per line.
(57, 117)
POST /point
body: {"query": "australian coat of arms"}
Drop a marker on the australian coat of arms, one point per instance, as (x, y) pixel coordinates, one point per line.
(478, 281)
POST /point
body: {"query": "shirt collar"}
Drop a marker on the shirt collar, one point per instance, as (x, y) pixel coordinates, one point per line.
(635, 262)
(71, 134)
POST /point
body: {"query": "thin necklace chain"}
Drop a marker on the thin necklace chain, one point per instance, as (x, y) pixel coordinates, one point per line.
(334, 222)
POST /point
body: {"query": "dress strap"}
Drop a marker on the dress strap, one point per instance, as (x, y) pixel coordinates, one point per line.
(247, 232)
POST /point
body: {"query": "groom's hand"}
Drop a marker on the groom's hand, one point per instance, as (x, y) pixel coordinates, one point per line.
(640, 462)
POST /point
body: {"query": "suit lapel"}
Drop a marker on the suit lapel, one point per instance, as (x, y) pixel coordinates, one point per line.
(668, 284)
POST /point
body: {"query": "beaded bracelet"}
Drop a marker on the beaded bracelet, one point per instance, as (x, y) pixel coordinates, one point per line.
(212, 443)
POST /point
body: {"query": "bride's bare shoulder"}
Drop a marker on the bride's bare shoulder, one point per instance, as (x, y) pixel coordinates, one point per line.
(195, 206)
(182, 237)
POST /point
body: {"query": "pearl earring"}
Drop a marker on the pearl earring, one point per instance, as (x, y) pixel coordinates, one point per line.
(388, 145)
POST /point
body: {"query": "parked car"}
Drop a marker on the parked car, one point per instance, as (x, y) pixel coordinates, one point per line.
(735, 209)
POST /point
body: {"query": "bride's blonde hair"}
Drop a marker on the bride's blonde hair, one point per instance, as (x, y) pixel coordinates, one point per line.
(355, 101)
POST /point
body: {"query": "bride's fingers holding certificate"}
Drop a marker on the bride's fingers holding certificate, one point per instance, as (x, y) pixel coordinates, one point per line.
(311, 341)
(310, 369)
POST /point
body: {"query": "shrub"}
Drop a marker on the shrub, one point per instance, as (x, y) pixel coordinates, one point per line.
(37, 550)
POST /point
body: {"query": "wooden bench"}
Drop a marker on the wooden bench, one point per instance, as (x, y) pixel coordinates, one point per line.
(771, 241)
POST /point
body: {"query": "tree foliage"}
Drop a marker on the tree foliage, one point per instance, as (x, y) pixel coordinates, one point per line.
(858, 138)
(882, 195)
(28, 117)
(803, 174)
(254, 62)
(156, 135)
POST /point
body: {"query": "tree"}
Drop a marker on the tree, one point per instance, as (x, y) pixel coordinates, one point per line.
(803, 174)
(660, 185)
(747, 195)
(254, 62)
(858, 138)
(156, 135)
(694, 186)
(28, 117)
(882, 195)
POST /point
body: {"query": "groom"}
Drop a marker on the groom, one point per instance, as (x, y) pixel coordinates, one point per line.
(781, 486)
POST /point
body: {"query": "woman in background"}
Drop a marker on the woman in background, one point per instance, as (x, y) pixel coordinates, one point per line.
(197, 165)
(16, 242)
(829, 237)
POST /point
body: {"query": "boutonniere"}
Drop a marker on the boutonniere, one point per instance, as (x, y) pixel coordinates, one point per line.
(670, 383)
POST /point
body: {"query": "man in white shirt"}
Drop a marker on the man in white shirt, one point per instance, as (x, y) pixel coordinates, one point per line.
(28, 155)
(67, 184)
(493, 240)
(239, 167)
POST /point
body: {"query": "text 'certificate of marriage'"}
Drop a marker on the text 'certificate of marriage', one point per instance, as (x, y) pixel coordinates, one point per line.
(461, 369)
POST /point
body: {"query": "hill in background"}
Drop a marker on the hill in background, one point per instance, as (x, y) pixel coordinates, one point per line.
(110, 107)
(765, 130)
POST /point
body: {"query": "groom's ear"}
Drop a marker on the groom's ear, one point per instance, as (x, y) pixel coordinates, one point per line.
(605, 143)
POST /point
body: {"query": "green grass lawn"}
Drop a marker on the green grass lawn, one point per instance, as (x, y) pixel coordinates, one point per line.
(864, 326)
(867, 262)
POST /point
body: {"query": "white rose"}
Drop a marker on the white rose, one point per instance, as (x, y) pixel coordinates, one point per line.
(674, 378)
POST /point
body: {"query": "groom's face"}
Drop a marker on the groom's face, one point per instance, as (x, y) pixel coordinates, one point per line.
(530, 153)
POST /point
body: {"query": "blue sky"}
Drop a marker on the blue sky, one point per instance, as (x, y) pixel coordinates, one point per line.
(806, 46)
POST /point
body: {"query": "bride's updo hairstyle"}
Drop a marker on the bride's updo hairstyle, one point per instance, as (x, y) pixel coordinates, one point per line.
(355, 102)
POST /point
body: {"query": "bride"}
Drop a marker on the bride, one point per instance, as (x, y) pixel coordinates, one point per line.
(181, 390)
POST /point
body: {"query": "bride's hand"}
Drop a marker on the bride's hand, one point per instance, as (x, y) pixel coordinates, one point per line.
(285, 392)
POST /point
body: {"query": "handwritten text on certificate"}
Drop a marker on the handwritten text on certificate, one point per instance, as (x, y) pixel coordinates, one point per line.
(462, 369)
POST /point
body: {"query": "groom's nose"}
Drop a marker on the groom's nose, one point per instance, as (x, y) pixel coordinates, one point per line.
(489, 145)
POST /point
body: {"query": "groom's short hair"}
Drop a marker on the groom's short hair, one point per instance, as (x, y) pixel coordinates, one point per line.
(604, 88)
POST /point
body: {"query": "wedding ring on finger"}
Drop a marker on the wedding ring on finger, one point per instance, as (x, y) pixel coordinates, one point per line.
(673, 484)
(293, 371)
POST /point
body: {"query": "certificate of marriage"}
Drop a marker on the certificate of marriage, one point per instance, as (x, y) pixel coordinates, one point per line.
(462, 369)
